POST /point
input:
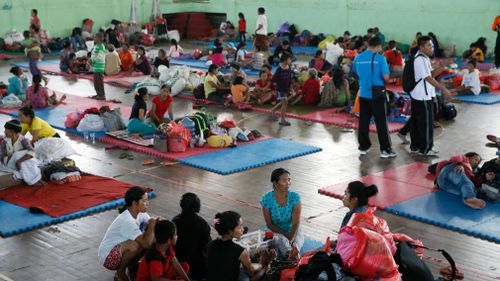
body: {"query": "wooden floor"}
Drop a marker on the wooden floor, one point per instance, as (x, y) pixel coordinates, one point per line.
(68, 251)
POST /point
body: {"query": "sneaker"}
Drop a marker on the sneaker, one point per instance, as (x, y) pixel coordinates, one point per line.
(387, 154)
(363, 152)
(430, 153)
(403, 138)
(434, 150)
(413, 151)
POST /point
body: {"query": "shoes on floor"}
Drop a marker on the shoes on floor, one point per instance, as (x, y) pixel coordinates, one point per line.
(387, 154)
(363, 152)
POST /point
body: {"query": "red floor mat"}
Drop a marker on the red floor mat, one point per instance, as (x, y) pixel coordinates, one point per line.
(58, 200)
(394, 185)
(120, 80)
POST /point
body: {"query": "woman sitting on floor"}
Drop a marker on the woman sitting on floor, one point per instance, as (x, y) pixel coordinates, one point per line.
(263, 91)
(214, 89)
(128, 236)
(309, 95)
(141, 64)
(356, 199)
(38, 96)
(336, 92)
(225, 257)
(161, 59)
(281, 209)
(126, 57)
(64, 57)
(471, 85)
(18, 83)
(137, 122)
(37, 127)
(217, 56)
(194, 236)
(456, 176)
(160, 105)
(319, 63)
(17, 155)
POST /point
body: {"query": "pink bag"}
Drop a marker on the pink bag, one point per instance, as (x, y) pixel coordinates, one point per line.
(178, 137)
(366, 254)
(73, 119)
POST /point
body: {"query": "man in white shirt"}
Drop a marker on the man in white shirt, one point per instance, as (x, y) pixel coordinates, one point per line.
(471, 85)
(333, 53)
(130, 234)
(261, 31)
(422, 103)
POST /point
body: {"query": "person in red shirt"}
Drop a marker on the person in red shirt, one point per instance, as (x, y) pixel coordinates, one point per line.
(159, 263)
(242, 27)
(394, 60)
(496, 27)
(263, 91)
(310, 91)
(160, 105)
(34, 19)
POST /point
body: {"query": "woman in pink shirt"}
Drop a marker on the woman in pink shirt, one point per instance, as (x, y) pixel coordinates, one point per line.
(38, 96)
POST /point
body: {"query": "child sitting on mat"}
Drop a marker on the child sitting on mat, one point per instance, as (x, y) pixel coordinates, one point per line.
(18, 83)
(239, 91)
(217, 56)
(160, 262)
(38, 96)
(137, 124)
(17, 155)
(129, 235)
(309, 95)
(224, 257)
(457, 176)
(175, 50)
(240, 55)
(263, 91)
(471, 85)
(356, 198)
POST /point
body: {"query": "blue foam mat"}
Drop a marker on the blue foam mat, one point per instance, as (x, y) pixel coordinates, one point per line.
(202, 64)
(56, 116)
(233, 160)
(304, 50)
(16, 219)
(480, 99)
(448, 211)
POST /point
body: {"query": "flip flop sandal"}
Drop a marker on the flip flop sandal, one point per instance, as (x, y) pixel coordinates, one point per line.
(123, 155)
(168, 163)
(285, 123)
(130, 157)
(148, 162)
(114, 101)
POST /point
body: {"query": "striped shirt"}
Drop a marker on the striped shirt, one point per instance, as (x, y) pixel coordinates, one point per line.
(98, 58)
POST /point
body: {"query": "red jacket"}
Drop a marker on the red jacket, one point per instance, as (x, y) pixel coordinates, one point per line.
(464, 161)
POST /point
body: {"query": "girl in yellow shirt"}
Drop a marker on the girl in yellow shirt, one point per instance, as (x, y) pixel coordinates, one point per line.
(37, 127)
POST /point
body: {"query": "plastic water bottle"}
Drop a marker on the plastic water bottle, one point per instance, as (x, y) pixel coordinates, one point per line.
(86, 136)
(92, 136)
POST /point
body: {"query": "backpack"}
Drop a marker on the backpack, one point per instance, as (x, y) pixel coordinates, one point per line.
(318, 263)
(201, 124)
(410, 265)
(199, 91)
(449, 111)
(409, 82)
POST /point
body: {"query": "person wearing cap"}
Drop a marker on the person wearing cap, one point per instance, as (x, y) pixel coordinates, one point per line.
(17, 155)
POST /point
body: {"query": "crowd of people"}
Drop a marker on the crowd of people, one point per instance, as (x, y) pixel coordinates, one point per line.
(140, 247)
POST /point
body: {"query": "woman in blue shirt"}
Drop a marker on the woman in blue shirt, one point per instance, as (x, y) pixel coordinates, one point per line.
(281, 208)
(18, 83)
(356, 198)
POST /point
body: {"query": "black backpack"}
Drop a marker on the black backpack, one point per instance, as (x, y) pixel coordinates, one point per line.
(199, 91)
(412, 268)
(318, 263)
(449, 111)
(409, 82)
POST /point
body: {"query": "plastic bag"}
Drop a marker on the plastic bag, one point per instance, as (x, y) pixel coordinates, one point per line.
(91, 123)
(369, 221)
(10, 101)
(179, 131)
(227, 124)
(50, 149)
(113, 120)
(219, 141)
(73, 119)
(366, 253)
(152, 85)
(164, 73)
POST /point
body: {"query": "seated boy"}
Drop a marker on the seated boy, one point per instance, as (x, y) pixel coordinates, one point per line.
(159, 262)
(456, 176)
